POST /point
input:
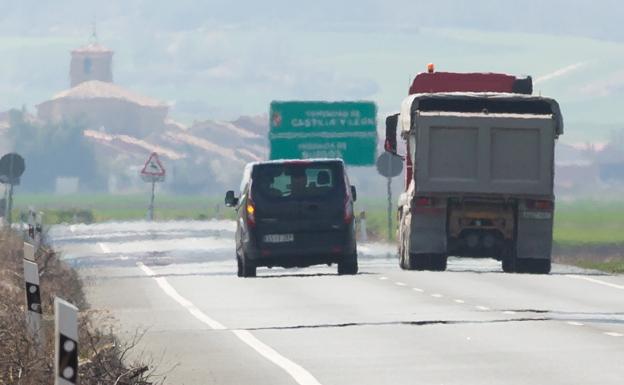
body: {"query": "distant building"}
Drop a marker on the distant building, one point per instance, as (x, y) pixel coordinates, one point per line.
(94, 98)
(91, 62)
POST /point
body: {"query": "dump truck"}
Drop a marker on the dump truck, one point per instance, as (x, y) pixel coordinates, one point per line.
(479, 167)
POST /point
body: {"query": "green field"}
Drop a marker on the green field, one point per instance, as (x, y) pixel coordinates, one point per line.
(589, 223)
(102, 208)
(576, 223)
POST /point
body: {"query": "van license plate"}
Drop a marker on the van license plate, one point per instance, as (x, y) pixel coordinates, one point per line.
(278, 238)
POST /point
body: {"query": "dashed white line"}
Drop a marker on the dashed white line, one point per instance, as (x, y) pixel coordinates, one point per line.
(399, 284)
(460, 301)
(298, 373)
(418, 289)
(482, 307)
(575, 323)
(509, 312)
(613, 334)
(437, 295)
(383, 278)
(594, 280)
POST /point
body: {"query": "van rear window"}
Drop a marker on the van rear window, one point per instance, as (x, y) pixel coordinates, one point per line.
(285, 181)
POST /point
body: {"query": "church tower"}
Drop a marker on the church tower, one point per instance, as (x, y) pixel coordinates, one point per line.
(91, 62)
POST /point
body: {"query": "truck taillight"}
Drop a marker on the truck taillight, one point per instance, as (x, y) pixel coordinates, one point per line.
(423, 202)
(250, 209)
(542, 205)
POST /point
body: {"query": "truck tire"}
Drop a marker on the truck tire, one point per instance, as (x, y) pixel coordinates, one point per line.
(402, 263)
(509, 265)
(404, 259)
(509, 260)
(437, 262)
(418, 261)
(534, 266)
(349, 265)
(249, 269)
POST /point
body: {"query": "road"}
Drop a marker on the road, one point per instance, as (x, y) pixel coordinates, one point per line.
(470, 325)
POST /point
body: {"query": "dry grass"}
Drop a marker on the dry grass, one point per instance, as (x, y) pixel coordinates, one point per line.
(103, 359)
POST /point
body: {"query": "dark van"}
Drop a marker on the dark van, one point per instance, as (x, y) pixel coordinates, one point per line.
(294, 213)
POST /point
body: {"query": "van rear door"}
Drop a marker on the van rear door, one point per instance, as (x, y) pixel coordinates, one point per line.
(302, 198)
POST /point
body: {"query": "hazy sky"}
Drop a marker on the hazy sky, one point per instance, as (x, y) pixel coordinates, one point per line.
(219, 59)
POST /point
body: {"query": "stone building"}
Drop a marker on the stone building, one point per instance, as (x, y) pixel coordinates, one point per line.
(94, 99)
(91, 62)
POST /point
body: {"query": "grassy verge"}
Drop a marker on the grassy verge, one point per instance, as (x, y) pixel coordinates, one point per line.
(613, 267)
(23, 360)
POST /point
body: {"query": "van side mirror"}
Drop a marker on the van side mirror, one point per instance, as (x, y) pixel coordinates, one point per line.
(353, 193)
(230, 199)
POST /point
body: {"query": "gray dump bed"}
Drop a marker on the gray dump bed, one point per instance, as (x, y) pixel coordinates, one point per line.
(483, 152)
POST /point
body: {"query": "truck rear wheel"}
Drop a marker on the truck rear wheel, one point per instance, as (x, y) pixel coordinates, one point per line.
(403, 261)
(534, 266)
(509, 260)
(418, 261)
(437, 262)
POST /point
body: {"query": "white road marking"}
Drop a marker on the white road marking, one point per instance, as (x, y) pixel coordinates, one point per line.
(418, 289)
(613, 334)
(298, 373)
(104, 248)
(399, 283)
(482, 307)
(383, 278)
(575, 323)
(594, 280)
(436, 295)
(509, 312)
(459, 301)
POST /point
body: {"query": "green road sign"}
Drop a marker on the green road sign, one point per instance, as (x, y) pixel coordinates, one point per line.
(347, 130)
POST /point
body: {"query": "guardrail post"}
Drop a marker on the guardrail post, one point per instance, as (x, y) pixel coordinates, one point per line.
(65, 343)
(33, 300)
(29, 251)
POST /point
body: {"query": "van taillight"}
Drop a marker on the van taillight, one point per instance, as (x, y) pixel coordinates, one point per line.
(348, 210)
(542, 205)
(423, 202)
(250, 209)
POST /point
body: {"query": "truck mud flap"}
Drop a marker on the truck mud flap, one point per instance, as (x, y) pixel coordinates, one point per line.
(534, 237)
(428, 233)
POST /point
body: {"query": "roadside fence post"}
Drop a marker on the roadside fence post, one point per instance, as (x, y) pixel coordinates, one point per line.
(65, 343)
(33, 300)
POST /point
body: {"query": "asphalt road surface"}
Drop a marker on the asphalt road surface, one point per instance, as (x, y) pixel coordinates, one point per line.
(470, 325)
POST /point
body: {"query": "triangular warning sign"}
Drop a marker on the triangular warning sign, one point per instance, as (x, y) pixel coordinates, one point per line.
(153, 167)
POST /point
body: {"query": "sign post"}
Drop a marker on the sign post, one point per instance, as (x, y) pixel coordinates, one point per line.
(12, 167)
(302, 130)
(389, 165)
(152, 172)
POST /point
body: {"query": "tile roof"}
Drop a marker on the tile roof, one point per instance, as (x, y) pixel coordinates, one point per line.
(95, 89)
